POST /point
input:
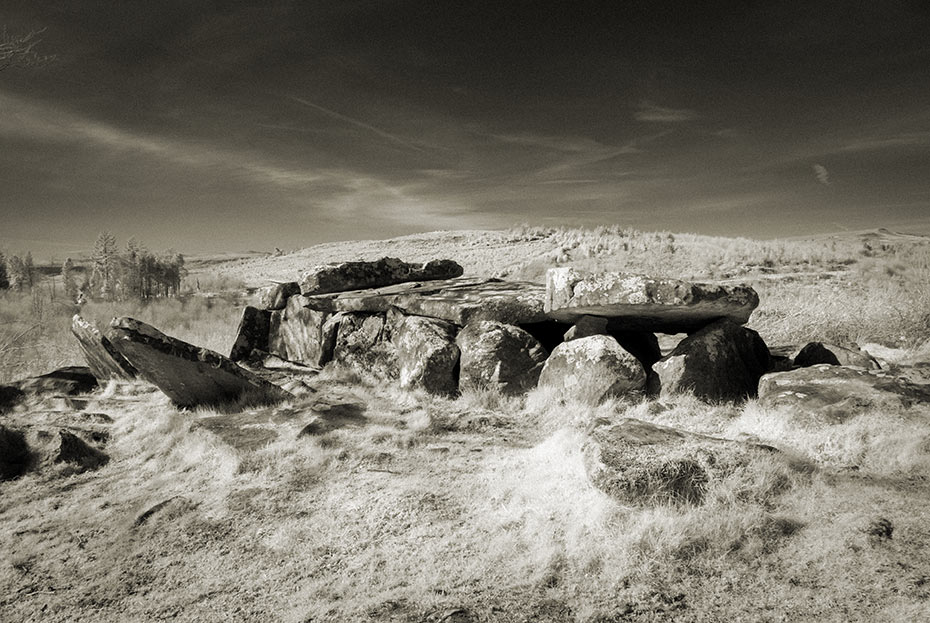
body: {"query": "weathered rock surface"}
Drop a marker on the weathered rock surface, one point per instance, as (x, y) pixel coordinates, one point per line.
(363, 343)
(586, 326)
(104, 361)
(501, 355)
(722, 361)
(189, 375)
(814, 353)
(591, 369)
(832, 394)
(641, 463)
(68, 381)
(645, 303)
(296, 333)
(72, 449)
(252, 333)
(459, 301)
(427, 355)
(14, 453)
(344, 276)
(275, 297)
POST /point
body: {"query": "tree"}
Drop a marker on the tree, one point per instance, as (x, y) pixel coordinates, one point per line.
(29, 270)
(17, 272)
(67, 280)
(105, 259)
(19, 50)
(4, 278)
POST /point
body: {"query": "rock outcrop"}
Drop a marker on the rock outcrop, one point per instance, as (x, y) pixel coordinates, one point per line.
(104, 361)
(427, 355)
(494, 354)
(722, 361)
(815, 353)
(189, 375)
(827, 393)
(591, 369)
(645, 303)
(344, 276)
(636, 462)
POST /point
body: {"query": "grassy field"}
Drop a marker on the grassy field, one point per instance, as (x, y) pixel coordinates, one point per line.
(413, 508)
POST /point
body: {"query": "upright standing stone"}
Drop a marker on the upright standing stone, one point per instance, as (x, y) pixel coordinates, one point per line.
(722, 361)
(104, 361)
(275, 297)
(363, 343)
(296, 333)
(252, 333)
(591, 369)
(501, 355)
(427, 355)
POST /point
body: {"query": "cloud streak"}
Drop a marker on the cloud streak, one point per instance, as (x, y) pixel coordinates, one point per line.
(652, 113)
(821, 173)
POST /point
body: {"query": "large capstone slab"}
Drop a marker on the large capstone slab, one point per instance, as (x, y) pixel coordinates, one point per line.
(191, 376)
(645, 303)
(344, 276)
(104, 361)
(459, 301)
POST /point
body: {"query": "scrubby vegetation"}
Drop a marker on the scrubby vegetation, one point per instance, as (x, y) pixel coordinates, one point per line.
(478, 508)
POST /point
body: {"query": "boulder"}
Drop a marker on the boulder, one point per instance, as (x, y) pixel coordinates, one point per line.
(104, 361)
(68, 381)
(501, 355)
(275, 297)
(427, 356)
(814, 353)
(459, 301)
(363, 343)
(587, 326)
(296, 333)
(189, 375)
(591, 369)
(636, 462)
(252, 333)
(10, 396)
(827, 393)
(645, 303)
(345, 276)
(72, 449)
(722, 361)
(14, 453)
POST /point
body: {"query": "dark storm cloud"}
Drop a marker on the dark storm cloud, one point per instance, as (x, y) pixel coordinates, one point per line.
(213, 124)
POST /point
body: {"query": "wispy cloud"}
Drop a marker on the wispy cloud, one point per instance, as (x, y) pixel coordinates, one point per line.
(360, 124)
(654, 113)
(906, 139)
(823, 176)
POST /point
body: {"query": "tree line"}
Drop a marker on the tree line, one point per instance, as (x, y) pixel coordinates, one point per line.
(135, 272)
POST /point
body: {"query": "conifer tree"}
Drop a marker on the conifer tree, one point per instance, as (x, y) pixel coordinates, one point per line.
(67, 280)
(4, 277)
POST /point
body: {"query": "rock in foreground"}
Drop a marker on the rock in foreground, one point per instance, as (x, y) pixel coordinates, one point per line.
(343, 276)
(645, 303)
(722, 361)
(189, 375)
(637, 462)
(591, 369)
(104, 361)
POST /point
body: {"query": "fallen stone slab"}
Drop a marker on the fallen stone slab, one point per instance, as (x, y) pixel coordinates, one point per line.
(459, 301)
(191, 376)
(814, 353)
(592, 369)
(722, 361)
(68, 381)
(494, 354)
(827, 393)
(104, 361)
(645, 303)
(344, 276)
(252, 333)
(637, 462)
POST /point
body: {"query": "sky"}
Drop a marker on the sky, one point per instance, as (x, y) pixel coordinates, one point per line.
(209, 126)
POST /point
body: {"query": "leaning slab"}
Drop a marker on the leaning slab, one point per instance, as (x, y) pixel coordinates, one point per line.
(645, 303)
(191, 376)
(459, 301)
(344, 276)
(104, 361)
(296, 333)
